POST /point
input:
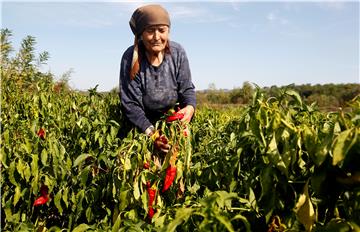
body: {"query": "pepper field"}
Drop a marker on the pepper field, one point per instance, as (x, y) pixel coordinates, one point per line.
(276, 164)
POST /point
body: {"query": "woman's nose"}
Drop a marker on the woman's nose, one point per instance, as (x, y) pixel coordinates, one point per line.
(156, 34)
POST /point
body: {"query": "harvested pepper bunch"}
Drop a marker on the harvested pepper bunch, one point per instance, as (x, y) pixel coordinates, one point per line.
(170, 167)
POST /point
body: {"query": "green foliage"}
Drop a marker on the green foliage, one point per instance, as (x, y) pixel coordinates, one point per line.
(253, 168)
(74, 129)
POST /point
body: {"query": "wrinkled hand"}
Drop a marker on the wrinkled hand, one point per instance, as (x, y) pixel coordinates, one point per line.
(161, 143)
(188, 112)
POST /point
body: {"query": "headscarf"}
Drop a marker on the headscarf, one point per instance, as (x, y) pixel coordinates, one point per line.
(141, 18)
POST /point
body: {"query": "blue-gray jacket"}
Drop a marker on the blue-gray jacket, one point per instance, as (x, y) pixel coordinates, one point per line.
(155, 90)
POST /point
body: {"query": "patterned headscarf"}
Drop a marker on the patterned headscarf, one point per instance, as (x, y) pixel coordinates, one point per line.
(141, 18)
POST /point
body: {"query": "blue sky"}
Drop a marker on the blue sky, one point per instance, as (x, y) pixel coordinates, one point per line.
(227, 43)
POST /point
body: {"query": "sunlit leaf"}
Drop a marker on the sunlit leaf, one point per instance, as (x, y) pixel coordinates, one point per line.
(136, 188)
(65, 196)
(27, 172)
(80, 159)
(81, 228)
(252, 199)
(44, 157)
(182, 215)
(12, 173)
(127, 164)
(295, 95)
(304, 209)
(343, 143)
(275, 157)
(57, 201)
(225, 221)
(124, 199)
(17, 195)
(117, 224)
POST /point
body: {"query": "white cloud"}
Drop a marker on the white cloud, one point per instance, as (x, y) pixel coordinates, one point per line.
(271, 17)
(180, 12)
(194, 13)
(333, 5)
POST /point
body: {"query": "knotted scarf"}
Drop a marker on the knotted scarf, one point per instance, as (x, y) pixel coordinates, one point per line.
(141, 18)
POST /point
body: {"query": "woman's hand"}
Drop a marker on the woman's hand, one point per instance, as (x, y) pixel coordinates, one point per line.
(161, 143)
(188, 112)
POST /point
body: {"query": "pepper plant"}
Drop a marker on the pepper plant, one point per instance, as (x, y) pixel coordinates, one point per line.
(69, 162)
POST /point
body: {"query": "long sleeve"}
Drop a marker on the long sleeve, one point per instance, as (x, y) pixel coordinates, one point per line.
(186, 89)
(131, 94)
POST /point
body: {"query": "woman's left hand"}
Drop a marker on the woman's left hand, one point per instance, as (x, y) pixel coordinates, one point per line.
(188, 112)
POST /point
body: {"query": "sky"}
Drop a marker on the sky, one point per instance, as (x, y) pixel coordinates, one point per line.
(227, 42)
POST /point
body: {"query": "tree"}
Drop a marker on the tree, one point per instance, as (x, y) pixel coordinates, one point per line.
(22, 70)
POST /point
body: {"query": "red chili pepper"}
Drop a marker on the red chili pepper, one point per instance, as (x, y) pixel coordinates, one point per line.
(163, 139)
(151, 212)
(41, 133)
(169, 177)
(152, 193)
(44, 196)
(41, 200)
(175, 116)
(146, 165)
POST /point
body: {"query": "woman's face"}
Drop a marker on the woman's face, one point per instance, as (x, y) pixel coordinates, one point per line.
(155, 38)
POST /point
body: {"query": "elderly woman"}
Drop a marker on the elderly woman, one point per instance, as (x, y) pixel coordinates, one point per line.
(155, 73)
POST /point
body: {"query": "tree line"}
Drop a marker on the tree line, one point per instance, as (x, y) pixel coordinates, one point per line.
(325, 96)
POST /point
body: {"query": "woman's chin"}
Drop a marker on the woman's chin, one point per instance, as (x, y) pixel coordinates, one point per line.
(157, 49)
